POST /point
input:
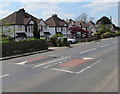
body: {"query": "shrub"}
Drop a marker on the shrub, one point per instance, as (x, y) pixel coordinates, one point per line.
(117, 33)
(54, 39)
(13, 47)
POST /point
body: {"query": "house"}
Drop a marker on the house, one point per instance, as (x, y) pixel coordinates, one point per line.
(56, 25)
(20, 25)
(81, 24)
(91, 27)
(43, 28)
(70, 23)
(106, 22)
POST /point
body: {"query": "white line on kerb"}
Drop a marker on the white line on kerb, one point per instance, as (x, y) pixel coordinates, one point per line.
(88, 67)
(4, 75)
(105, 45)
(87, 51)
(51, 62)
(21, 63)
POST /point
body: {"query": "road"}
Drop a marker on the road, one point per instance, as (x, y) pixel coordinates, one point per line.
(87, 67)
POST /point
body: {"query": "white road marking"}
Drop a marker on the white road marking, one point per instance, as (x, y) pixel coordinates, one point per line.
(4, 75)
(114, 42)
(87, 51)
(105, 45)
(47, 66)
(21, 63)
(88, 67)
(62, 70)
(75, 72)
(50, 62)
(52, 55)
(87, 58)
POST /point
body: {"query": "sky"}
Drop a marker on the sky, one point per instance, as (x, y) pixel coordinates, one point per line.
(65, 9)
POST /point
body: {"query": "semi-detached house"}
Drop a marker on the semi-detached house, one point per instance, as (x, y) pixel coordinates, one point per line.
(20, 24)
(57, 25)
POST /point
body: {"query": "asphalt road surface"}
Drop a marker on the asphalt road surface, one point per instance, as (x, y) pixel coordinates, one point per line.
(87, 67)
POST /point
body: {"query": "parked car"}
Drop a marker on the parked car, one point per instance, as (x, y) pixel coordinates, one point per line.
(72, 40)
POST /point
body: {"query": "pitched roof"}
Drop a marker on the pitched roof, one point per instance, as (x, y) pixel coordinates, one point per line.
(104, 20)
(55, 21)
(90, 23)
(69, 21)
(82, 23)
(19, 17)
(39, 20)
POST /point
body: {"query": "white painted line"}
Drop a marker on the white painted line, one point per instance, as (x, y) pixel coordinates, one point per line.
(50, 62)
(84, 51)
(21, 63)
(87, 58)
(87, 51)
(52, 55)
(62, 70)
(105, 45)
(115, 42)
(4, 75)
(88, 67)
(47, 66)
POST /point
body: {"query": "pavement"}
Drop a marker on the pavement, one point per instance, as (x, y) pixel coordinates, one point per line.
(88, 67)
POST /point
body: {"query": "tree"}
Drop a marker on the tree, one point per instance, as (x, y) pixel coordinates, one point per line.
(84, 17)
(104, 31)
(7, 29)
(91, 18)
(75, 29)
(36, 34)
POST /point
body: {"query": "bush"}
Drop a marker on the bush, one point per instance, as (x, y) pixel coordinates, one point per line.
(117, 33)
(54, 39)
(12, 48)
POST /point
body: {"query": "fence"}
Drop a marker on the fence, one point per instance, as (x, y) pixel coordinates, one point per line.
(13, 48)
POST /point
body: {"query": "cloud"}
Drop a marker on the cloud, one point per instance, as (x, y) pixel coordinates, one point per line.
(40, 6)
(59, 0)
(62, 15)
(4, 13)
(46, 9)
(100, 6)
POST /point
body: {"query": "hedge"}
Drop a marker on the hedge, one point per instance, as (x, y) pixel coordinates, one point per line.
(13, 48)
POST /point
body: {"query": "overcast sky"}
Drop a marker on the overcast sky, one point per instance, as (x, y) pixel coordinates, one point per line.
(65, 9)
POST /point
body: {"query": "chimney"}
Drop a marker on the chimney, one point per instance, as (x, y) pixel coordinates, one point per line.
(21, 10)
(54, 15)
(110, 19)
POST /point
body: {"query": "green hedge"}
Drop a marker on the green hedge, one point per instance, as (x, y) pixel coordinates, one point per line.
(12, 48)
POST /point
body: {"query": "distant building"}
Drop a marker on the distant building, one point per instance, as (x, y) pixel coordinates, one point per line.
(105, 21)
(70, 23)
(91, 27)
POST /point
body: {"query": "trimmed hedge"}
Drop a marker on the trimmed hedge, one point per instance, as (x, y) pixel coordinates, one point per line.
(13, 48)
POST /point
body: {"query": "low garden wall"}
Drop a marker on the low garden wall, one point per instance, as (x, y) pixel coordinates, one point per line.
(14, 48)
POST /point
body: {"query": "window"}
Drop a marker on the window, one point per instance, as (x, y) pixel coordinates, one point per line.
(41, 28)
(26, 28)
(61, 29)
(45, 27)
(29, 28)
